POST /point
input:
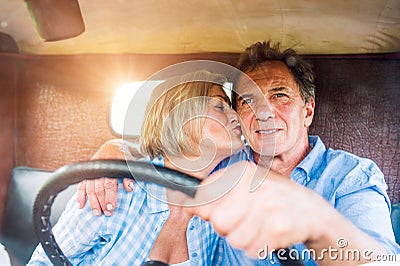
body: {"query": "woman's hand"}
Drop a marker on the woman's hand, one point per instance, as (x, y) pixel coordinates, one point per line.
(102, 193)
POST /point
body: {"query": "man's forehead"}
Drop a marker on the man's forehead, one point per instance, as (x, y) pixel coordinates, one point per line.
(269, 75)
(261, 81)
(246, 84)
(269, 70)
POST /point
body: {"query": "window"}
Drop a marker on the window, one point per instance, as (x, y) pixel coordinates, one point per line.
(130, 102)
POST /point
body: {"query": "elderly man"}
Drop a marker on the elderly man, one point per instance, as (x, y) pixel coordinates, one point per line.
(284, 213)
(333, 201)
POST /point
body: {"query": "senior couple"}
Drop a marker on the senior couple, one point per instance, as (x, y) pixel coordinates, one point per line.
(254, 199)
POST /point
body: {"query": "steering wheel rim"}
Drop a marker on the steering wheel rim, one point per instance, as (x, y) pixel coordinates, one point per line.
(76, 172)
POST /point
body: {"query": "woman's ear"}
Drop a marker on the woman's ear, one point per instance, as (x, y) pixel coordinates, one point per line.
(309, 112)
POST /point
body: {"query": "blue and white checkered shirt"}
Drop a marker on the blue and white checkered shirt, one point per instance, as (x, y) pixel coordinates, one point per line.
(127, 237)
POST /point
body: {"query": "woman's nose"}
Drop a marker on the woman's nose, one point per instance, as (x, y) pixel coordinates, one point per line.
(233, 116)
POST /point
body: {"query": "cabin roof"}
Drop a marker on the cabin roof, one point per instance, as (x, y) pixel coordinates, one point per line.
(183, 27)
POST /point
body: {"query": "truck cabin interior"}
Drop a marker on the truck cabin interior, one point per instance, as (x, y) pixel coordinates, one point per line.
(62, 62)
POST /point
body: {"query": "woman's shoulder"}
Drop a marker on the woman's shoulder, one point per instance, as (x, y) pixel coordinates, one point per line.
(243, 155)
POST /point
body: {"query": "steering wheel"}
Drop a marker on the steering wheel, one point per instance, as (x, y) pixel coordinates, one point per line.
(75, 173)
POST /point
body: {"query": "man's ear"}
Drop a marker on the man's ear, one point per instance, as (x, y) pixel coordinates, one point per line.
(309, 112)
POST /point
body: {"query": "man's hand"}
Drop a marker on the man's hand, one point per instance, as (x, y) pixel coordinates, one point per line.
(270, 214)
(275, 215)
(102, 193)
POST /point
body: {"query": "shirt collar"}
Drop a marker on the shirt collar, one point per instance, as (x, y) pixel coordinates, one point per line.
(311, 163)
(249, 153)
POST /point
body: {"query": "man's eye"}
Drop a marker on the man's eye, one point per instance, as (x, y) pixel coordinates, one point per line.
(279, 95)
(247, 101)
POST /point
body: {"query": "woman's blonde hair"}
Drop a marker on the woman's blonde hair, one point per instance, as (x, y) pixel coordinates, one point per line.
(171, 125)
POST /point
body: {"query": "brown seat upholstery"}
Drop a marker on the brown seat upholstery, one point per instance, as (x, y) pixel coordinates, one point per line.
(358, 110)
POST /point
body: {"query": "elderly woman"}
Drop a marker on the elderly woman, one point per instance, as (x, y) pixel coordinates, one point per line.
(189, 127)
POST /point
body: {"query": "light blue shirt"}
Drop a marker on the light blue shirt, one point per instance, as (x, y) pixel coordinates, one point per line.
(354, 186)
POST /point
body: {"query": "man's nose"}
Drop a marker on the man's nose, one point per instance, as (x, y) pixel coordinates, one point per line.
(263, 112)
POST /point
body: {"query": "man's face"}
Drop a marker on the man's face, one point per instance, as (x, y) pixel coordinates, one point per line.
(277, 114)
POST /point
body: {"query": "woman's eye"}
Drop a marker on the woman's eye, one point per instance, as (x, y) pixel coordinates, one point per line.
(220, 107)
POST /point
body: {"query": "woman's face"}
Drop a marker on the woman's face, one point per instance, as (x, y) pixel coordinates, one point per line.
(221, 132)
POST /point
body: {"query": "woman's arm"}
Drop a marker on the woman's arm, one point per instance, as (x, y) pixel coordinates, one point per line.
(73, 243)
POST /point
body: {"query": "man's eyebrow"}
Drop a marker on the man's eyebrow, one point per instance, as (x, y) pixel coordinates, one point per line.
(280, 88)
(244, 95)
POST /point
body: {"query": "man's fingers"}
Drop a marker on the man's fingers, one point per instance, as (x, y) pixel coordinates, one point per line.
(220, 183)
(250, 240)
(214, 197)
(81, 194)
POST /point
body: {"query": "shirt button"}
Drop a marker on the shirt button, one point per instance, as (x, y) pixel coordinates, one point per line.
(194, 255)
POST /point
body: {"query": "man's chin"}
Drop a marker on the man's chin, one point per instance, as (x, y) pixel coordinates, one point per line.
(266, 150)
(267, 147)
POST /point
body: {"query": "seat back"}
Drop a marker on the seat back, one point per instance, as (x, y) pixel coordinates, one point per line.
(358, 110)
(18, 234)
